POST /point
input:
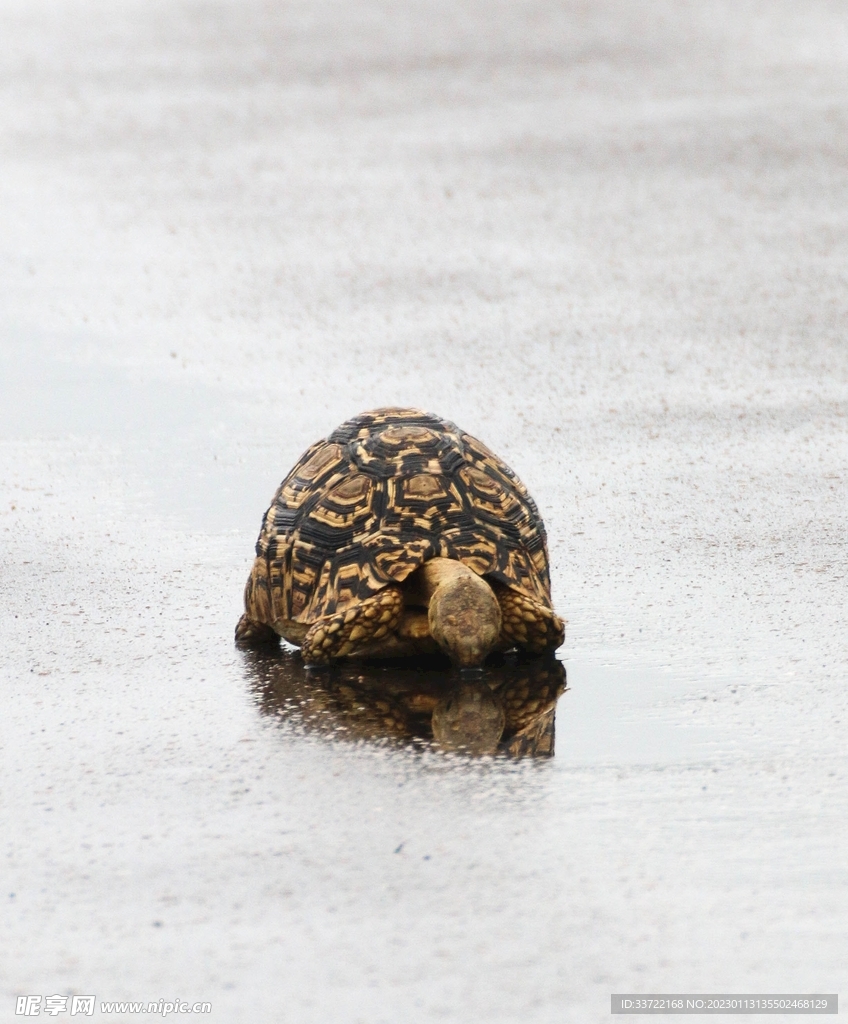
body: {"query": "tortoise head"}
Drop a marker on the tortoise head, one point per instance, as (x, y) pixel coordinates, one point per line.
(464, 617)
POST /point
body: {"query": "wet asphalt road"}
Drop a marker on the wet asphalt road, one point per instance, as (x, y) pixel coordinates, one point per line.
(610, 239)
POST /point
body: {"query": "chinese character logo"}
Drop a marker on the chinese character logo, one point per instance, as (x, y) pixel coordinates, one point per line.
(28, 1006)
(82, 1004)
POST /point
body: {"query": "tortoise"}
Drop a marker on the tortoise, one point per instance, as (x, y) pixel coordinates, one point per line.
(397, 535)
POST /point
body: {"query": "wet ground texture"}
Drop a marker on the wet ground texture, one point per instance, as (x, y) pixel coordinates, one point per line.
(607, 238)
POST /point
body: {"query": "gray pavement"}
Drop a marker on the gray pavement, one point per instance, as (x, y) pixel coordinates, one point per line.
(610, 239)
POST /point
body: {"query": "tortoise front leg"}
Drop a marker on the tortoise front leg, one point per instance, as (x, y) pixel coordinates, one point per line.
(358, 626)
(528, 624)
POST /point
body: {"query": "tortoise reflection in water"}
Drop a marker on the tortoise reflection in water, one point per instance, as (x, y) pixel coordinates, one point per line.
(507, 710)
(401, 535)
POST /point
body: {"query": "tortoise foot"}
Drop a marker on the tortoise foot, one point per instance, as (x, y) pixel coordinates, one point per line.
(250, 633)
(527, 624)
(360, 625)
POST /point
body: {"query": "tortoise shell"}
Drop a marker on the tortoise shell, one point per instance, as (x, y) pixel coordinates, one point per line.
(384, 493)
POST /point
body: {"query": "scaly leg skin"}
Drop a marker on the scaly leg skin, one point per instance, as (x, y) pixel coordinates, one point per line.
(250, 633)
(528, 624)
(361, 625)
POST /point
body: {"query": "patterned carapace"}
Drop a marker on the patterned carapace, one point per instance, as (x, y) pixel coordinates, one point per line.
(384, 493)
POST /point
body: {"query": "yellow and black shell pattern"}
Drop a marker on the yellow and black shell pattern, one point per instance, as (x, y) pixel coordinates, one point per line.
(381, 495)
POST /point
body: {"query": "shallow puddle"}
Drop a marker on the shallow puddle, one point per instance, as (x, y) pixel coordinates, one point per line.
(611, 716)
(603, 716)
(168, 434)
(506, 709)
